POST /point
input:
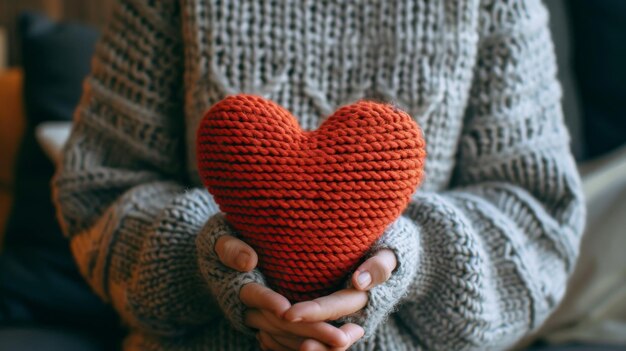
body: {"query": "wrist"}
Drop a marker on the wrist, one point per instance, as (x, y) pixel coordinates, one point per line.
(401, 238)
(223, 282)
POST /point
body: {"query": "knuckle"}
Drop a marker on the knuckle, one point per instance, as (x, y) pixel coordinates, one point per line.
(318, 306)
(231, 246)
(221, 245)
(334, 311)
(382, 272)
(229, 252)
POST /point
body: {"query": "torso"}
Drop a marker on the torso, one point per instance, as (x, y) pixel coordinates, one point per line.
(314, 56)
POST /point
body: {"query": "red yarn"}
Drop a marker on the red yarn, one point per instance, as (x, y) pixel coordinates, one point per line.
(310, 203)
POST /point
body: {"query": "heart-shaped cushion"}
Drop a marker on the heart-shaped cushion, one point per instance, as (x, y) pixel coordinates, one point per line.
(310, 203)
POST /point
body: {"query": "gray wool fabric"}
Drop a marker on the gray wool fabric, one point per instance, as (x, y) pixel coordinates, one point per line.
(485, 246)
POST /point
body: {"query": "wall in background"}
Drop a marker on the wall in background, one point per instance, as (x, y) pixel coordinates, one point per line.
(94, 12)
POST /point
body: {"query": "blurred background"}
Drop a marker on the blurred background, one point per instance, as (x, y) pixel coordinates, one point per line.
(45, 50)
(92, 12)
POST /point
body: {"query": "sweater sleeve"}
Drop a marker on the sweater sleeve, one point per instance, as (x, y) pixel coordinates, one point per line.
(485, 262)
(121, 192)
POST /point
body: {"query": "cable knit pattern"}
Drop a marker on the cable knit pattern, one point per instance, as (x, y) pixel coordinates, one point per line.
(495, 227)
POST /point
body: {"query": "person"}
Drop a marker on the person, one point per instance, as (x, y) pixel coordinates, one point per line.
(479, 258)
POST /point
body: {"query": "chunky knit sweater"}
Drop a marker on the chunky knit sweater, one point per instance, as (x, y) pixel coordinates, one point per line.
(485, 246)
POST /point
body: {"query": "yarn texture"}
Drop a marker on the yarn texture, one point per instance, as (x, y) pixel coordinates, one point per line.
(311, 204)
(485, 245)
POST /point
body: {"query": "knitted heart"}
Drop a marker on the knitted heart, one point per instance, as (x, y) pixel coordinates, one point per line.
(310, 203)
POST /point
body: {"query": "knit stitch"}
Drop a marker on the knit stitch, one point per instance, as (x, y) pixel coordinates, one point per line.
(484, 247)
(311, 204)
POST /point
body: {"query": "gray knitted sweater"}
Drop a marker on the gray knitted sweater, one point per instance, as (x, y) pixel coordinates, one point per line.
(485, 246)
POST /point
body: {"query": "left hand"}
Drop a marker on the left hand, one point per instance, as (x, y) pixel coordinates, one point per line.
(374, 271)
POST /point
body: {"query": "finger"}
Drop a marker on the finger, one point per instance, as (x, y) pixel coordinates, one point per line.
(271, 344)
(324, 332)
(257, 296)
(287, 341)
(353, 331)
(235, 254)
(255, 319)
(321, 331)
(331, 307)
(313, 345)
(261, 345)
(376, 270)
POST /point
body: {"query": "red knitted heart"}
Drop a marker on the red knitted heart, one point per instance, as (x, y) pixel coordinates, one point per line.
(310, 203)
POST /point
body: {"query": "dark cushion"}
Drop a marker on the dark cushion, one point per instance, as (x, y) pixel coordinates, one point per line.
(599, 29)
(39, 281)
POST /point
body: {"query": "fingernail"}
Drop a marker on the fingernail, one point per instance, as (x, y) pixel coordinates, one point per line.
(242, 260)
(364, 279)
(296, 320)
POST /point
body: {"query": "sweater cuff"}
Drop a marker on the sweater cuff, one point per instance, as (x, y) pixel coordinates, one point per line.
(401, 237)
(224, 283)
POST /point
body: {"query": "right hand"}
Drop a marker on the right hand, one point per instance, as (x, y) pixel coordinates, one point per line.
(266, 307)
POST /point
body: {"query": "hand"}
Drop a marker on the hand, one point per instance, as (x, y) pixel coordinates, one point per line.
(374, 271)
(266, 311)
(266, 307)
